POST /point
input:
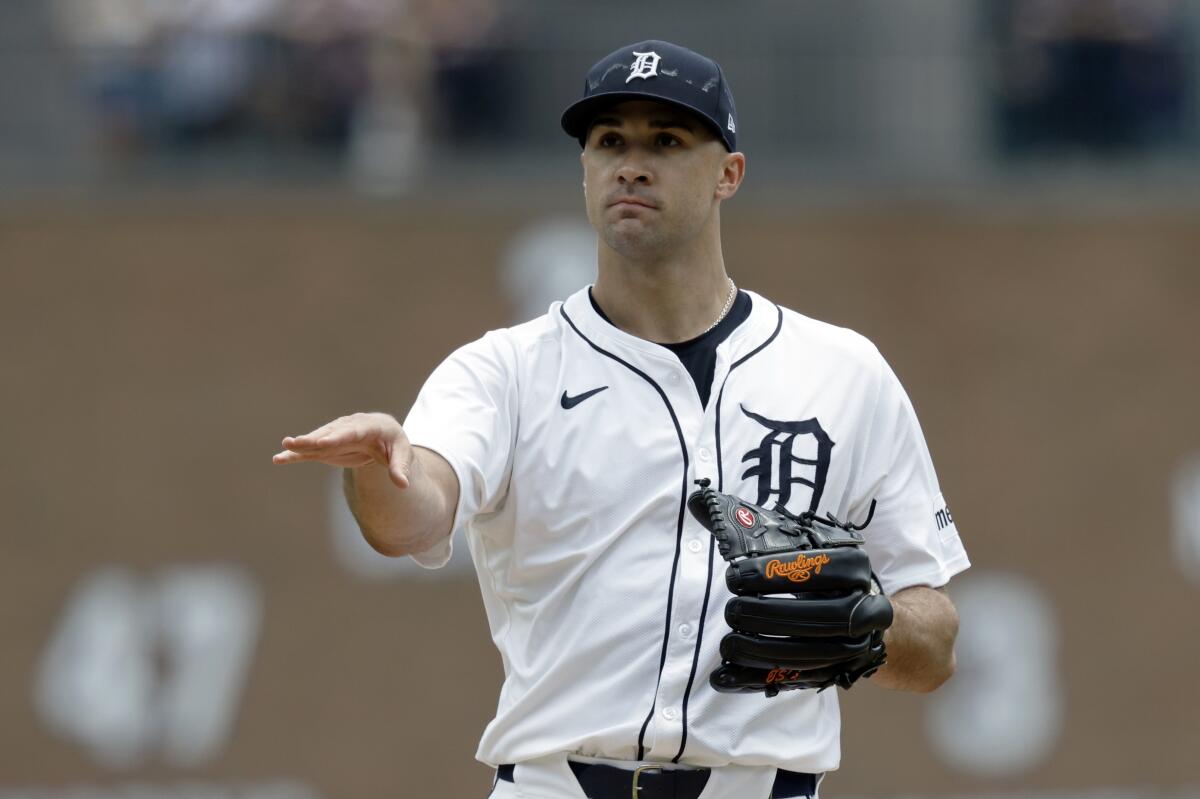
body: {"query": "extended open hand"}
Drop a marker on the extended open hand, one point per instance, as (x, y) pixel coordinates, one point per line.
(353, 441)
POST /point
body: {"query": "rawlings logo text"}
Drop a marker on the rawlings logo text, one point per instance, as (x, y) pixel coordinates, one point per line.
(798, 570)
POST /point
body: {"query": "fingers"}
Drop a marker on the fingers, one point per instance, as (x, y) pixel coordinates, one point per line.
(343, 430)
(354, 440)
(355, 427)
(329, 435)
(346, 459)
(287, 456)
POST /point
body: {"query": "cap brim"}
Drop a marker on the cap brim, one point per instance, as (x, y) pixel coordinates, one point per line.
(579, 115)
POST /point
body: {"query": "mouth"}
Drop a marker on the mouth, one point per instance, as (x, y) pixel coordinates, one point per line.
(631, 201)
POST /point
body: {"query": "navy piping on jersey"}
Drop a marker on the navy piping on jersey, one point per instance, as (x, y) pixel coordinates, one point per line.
(687, 694)
(721, 393)
(662, 660)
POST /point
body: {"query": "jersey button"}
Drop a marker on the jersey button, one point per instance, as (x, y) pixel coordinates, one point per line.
(685, 630)
(669, 713)
(694, 545)
(705, 454)
(673, 377)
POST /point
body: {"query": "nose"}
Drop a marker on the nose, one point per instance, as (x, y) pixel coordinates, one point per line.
(633, 171)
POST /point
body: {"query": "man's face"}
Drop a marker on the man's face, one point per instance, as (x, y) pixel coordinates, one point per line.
(653, 175)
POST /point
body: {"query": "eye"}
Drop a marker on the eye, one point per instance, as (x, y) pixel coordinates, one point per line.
(608, 140)
(667, 140)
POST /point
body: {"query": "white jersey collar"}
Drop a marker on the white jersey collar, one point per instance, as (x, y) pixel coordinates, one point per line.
(756, 329)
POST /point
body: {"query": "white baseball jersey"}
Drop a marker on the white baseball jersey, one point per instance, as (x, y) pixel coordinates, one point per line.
(576, 446)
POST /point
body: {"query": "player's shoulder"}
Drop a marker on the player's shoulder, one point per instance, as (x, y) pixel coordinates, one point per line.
(526, 336)
(847, 347)
(536, 329)
(511, 344)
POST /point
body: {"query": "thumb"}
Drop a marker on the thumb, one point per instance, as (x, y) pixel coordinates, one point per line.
(400, 464)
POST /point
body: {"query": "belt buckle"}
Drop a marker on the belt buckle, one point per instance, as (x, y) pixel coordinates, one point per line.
(637, 775)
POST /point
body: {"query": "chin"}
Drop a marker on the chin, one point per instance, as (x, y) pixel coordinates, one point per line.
(633, 240)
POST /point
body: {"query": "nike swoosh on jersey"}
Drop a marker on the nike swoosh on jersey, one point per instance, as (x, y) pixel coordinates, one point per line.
(570, 402)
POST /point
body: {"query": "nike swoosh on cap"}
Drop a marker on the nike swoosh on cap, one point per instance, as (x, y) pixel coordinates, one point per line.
(570, 402)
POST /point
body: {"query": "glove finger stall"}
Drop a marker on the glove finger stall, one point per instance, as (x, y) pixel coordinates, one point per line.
(730, 678)
(848, 672)
(872, 614)
(842, 569)
(796, 616)
(799, 653)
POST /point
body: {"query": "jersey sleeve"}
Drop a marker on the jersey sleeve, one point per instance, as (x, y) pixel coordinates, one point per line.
(912, 539)
(466, 412)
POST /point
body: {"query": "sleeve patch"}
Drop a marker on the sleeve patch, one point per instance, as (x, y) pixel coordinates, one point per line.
(942, 518)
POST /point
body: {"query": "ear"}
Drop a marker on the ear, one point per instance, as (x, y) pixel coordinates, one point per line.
(581, 164)
(733, 169)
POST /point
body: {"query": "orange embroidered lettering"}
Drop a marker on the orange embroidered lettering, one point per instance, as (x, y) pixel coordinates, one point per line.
(798, 570)
(782, 675)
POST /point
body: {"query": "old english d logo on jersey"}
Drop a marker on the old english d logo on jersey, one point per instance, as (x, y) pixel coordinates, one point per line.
(645, 65)
(777, 465)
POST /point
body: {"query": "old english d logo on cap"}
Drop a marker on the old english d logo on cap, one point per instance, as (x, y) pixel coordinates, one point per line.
(644, 66)
(656, 70)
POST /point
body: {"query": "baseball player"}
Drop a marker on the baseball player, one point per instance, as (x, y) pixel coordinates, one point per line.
(596, 460)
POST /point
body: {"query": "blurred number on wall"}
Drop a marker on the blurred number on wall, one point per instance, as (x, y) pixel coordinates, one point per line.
(1185, 515)
(150, 668)
(1002, 713)
(547, 261)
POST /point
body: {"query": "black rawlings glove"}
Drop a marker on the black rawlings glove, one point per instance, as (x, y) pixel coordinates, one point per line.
(807, 611)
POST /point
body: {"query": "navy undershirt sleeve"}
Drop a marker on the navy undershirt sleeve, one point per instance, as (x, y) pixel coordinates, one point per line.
(699, 355)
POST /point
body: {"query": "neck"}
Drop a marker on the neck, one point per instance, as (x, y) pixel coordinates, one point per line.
(663, 299)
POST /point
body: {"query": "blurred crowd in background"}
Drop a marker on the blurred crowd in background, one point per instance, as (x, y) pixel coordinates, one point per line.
(1105, 76)
(366, 80)
(373, 89)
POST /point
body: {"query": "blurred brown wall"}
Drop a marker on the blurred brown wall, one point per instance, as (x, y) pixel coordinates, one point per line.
(155, 353)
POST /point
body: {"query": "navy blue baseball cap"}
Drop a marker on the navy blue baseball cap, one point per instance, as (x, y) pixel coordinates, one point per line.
(656, 70)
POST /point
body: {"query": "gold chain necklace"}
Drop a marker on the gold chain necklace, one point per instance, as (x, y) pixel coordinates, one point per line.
(725, 309)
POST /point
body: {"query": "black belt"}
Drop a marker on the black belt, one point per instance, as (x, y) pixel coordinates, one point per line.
(600, 781)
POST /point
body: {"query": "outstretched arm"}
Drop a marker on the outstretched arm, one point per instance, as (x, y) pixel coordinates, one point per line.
(920, 642)
(402, 496)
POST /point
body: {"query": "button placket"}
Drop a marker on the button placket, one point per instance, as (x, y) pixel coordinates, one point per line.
(697, 424)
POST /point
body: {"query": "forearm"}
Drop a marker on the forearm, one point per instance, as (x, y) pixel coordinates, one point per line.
(397, 521)
(920, 642)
